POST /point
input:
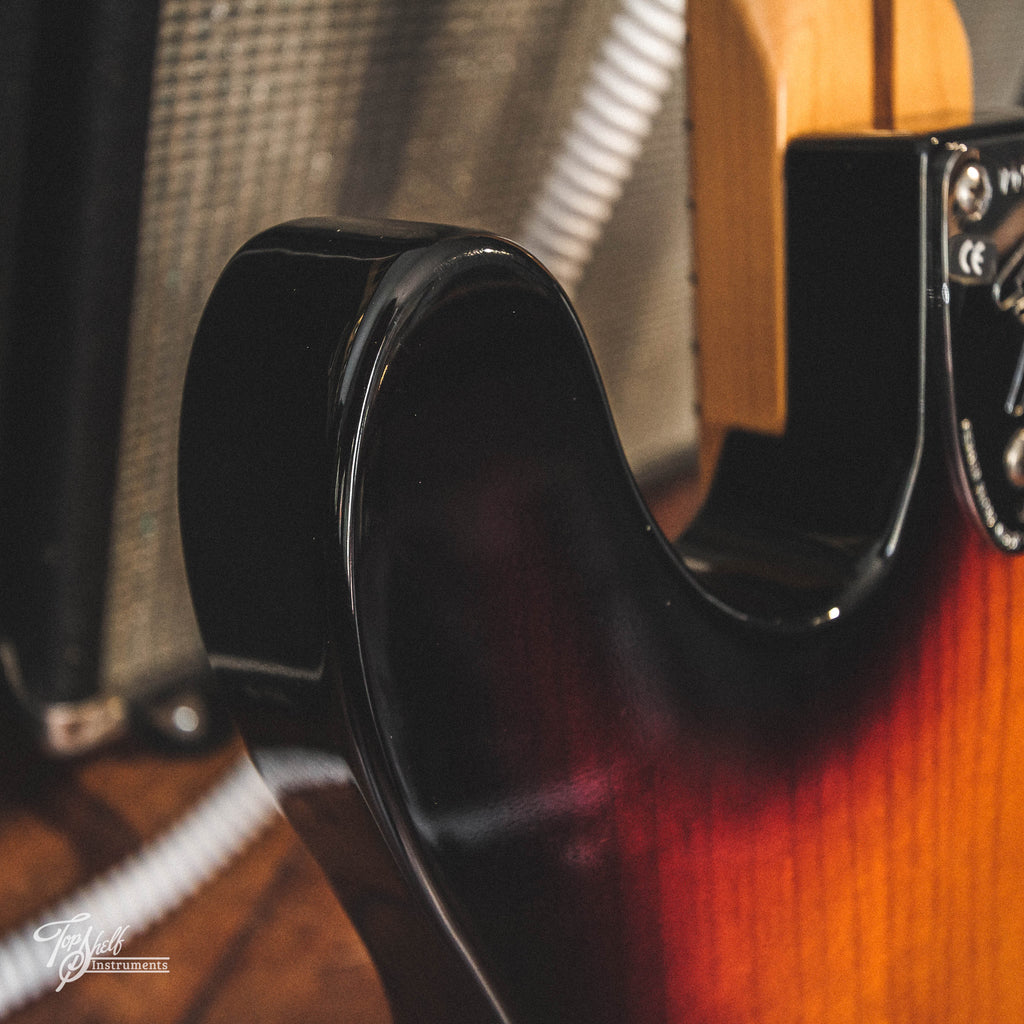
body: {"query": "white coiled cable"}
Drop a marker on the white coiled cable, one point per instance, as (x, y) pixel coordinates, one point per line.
(145, 888)
(626, 87)
(624, 92)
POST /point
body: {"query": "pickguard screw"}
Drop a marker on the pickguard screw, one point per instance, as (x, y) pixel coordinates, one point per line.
(972, 192)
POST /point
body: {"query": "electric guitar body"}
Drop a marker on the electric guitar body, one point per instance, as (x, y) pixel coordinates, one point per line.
(767, 771)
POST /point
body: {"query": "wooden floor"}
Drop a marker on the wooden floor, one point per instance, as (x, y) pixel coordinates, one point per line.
(264, 942)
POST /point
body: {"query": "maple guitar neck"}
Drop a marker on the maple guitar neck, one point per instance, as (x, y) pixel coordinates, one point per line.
(764, 772)
(760, 74)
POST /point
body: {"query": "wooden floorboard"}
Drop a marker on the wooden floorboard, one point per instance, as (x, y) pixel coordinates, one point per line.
(264, 942)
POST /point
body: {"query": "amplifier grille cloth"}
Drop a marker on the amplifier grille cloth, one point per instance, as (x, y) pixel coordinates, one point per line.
(264, 110)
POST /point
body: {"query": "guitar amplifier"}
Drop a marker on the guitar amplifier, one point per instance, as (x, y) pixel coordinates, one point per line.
(142, 144)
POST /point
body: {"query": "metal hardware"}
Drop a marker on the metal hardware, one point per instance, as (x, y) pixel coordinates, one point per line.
(981, 243)
(182, 717)
(1013, 459)
(972, 193)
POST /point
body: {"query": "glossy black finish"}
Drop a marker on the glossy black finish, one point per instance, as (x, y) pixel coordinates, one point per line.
(412, 538)
(257, 465)
(260, 443)
(800, 529)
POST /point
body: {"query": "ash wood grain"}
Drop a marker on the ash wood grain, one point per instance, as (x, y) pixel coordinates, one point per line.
(882, 883)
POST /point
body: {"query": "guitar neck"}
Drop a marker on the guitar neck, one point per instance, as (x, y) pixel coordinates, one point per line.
(761, 73)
